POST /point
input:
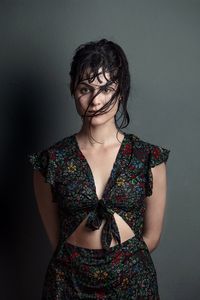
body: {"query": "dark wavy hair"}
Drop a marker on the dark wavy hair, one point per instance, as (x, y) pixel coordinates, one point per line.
(109, 56)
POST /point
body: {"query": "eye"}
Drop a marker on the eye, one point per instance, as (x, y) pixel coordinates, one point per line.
(84, 90)
(107, 90)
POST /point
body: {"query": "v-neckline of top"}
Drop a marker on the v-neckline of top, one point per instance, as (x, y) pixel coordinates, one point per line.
(117, 158)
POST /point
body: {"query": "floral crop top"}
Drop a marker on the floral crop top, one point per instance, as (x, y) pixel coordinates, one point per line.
(66, 169)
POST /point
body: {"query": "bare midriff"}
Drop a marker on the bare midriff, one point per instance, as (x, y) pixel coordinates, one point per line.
(84, 237)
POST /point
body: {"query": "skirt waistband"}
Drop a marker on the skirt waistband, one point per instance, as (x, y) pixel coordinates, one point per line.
(134, 242)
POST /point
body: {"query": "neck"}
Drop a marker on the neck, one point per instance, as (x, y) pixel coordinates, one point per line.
(106, 135)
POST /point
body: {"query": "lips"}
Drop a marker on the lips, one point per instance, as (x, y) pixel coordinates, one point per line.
(92, 113)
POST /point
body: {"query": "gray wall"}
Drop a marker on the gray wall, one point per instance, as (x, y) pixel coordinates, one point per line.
(161, 40)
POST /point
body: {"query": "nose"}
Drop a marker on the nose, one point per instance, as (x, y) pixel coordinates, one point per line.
(97, 99)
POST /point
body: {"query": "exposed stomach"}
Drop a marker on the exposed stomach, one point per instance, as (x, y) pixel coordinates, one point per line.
(84, 237)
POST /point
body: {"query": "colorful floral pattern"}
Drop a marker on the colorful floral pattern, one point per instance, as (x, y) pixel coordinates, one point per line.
(125, 271)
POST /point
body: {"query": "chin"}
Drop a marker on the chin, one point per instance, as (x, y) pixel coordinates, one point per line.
(100, 120)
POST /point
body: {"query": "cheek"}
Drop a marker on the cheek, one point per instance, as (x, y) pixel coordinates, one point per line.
(81, 101)
(114, 108)
(79, 107)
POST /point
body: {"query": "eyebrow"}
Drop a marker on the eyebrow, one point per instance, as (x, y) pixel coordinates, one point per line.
(89, 85)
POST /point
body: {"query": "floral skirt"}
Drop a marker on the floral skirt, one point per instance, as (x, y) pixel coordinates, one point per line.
(125, 271)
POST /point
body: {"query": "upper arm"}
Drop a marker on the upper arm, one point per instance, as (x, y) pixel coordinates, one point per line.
(156, 193)
(48, 209)
(156, 203)
(42, 189)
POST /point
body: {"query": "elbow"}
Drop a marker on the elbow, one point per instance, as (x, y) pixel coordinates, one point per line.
(152, 243)
(54, 245)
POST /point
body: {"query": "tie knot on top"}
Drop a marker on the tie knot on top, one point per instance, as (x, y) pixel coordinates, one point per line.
(110, 229)
(102, 210)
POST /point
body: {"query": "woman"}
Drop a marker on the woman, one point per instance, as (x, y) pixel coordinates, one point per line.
(101, 192)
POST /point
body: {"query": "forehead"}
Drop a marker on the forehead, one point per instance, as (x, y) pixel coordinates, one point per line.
(99, 80)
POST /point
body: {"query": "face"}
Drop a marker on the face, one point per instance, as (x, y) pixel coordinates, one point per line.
(84, 93)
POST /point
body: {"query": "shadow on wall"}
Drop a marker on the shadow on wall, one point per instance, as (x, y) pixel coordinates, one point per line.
(25, 114)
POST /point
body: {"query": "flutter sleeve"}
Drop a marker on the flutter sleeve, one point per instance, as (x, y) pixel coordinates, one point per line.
(157, 155)
(45, 162)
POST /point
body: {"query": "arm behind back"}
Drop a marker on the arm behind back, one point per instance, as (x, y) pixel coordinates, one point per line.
(48, 209)
(155, 201)
(155, 207)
